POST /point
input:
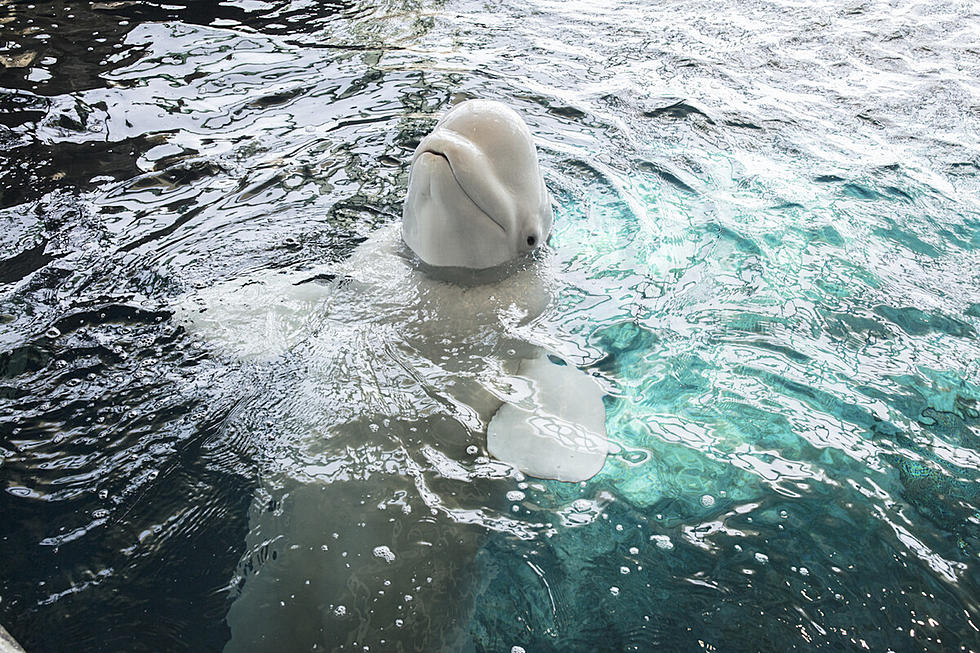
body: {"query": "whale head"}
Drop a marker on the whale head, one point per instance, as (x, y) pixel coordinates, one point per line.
(476, 196)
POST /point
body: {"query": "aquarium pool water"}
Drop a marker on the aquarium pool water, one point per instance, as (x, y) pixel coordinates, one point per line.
(766, 250)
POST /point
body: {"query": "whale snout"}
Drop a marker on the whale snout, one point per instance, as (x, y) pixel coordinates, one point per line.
(476, 196)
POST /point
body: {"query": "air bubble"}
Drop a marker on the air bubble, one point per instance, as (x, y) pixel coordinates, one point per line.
(663, 542)
(581, 505)
(384, 553)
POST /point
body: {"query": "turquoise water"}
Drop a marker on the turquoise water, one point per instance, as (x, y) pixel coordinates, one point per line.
(766, 248)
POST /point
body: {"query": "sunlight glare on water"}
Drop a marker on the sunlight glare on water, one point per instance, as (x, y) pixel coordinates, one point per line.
(766, 250)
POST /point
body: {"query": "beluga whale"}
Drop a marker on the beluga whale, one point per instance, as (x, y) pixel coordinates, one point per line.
(476, 195)
(477, 199)
(397, 397)
(476, 212)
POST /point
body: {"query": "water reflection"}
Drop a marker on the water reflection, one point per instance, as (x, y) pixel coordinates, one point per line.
(767, 240)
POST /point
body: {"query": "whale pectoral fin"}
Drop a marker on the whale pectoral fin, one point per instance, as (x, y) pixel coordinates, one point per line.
(258, 318)
(560, 433)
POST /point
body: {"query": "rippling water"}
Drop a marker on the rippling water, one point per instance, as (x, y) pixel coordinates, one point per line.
(766, 246)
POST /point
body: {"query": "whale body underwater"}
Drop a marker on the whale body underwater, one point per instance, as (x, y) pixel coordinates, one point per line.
(430, 335)
(476, 200)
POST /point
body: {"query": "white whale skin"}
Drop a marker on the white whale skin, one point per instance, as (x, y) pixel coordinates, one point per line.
(476, 196)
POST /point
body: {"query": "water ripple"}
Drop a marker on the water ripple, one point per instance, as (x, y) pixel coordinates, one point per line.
(766, 247)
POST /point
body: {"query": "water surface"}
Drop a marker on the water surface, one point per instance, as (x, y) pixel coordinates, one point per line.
(767, 241)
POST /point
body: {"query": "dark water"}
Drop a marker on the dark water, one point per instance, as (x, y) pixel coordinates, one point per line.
(768, 228)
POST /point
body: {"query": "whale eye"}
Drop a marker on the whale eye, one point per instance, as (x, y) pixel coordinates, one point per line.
(531, 240)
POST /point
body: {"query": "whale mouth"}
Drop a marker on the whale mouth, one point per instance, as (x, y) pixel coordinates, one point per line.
(449, 163)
